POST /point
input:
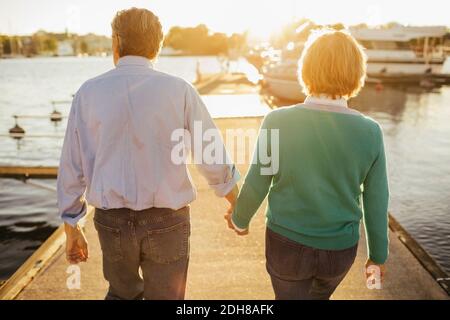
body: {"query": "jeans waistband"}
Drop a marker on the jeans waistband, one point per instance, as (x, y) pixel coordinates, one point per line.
(142, 217)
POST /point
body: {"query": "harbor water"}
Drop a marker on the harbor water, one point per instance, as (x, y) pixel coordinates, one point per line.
(416, 125)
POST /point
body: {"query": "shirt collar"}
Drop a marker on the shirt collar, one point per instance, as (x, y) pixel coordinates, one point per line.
(324, 103)
(327, 101)
(134, 61)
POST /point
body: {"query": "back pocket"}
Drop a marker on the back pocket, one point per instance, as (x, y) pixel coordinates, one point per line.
(283, 257)
(109, 241)
(341, 261)
(169, 244)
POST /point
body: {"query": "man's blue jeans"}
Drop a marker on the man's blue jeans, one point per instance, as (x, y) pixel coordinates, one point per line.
(145, 253)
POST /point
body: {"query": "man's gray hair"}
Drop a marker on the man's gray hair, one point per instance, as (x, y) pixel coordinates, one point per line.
(139, 33)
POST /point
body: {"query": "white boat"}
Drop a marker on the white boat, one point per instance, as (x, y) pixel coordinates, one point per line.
(285, 89)
(281, 80)
(281, 75)
(408, 52)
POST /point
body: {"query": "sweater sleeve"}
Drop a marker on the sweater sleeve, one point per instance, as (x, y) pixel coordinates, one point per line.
(258, 180)
(375, 201)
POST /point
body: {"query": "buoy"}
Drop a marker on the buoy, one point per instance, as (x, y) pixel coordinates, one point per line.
(55, 116)
(17, 132)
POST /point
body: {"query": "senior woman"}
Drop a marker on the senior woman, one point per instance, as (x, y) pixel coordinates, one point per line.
(331, 175)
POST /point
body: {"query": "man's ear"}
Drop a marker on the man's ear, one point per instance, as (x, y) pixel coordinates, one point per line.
(116, 48)
(115, 42)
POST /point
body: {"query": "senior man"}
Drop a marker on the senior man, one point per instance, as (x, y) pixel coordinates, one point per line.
(118, 157)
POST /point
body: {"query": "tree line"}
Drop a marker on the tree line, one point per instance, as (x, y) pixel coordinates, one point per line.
(49, 43)
(200, 40)
(197, 40)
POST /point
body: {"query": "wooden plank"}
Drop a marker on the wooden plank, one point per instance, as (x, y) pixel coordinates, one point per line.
(28, 172)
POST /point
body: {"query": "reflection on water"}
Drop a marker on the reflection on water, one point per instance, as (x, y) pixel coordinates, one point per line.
(416, 124)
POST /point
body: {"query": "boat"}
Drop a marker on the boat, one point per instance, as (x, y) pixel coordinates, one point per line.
(400, 53)
(281, 80)
(281, 75)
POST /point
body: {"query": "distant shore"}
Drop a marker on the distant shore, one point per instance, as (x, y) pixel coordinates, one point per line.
(6, 57)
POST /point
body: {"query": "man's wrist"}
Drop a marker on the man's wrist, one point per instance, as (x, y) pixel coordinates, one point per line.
(232, 195)
(72, 230)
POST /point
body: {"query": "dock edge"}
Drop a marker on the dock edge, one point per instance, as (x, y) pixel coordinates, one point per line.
(427, 262)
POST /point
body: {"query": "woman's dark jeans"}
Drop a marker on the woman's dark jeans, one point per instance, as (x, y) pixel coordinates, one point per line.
(154, 241)
(299, 272)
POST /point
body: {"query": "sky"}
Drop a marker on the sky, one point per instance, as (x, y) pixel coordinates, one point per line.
(260, 17)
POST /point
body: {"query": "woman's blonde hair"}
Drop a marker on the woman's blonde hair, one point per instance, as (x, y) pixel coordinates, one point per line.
(333, 63)
(138, 32)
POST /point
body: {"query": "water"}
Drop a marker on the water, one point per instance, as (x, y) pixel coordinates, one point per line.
(416, 125)
(28, 216)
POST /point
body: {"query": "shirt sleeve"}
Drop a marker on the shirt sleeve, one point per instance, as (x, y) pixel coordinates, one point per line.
(375, 201)
(208, 150)
(71, 184)
(256, 184)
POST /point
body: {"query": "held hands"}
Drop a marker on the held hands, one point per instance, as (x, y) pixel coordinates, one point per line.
(232, 197)
(76, 245)
(227, 217)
